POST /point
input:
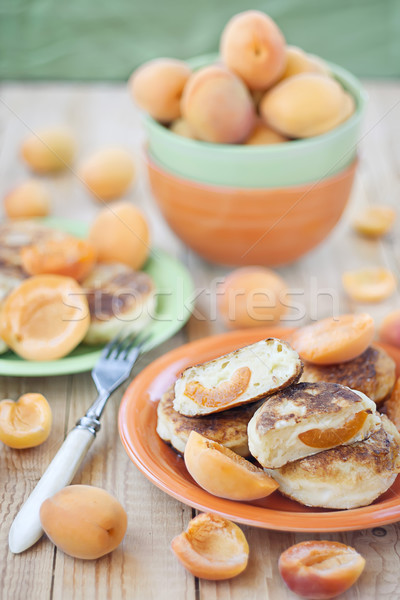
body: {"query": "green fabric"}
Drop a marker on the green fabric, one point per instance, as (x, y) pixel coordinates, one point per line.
(98, 40)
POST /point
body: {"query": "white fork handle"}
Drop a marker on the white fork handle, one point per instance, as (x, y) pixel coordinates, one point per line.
(26, 528)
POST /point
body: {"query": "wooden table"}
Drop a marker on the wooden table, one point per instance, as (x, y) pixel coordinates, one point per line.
(143, 567)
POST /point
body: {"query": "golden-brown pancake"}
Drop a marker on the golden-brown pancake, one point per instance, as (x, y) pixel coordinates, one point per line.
(228, 428)
(373, 373)
(345, 476)
(308, 418)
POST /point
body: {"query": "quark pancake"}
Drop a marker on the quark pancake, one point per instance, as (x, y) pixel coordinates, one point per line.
(373, 373)
(346, 476)
(308, 418)
(228, 428)
(119, 299)
(14, 235)
(245, 375)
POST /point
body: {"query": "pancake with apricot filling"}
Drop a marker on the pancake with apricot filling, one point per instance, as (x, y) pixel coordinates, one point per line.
(15, 235)
(346, 476)
(242, 376)
(373, 373)
(308, 418)
(228, 428)
(120, 299)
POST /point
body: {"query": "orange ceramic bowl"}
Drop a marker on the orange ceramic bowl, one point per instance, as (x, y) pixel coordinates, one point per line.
(250, 226)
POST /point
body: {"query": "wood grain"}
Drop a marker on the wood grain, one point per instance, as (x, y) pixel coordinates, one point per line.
(143, 567)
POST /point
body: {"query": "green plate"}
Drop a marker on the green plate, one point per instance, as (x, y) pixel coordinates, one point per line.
(174, 306)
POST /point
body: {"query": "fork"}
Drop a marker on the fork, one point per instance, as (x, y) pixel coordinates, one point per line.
(111, 370)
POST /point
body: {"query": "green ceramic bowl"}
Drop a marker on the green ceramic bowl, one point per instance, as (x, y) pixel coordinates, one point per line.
(277, 165)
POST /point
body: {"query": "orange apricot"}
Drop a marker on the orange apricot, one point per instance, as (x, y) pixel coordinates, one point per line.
(223, 473)
(65, 255)
(84, 521)
(253, 46)
(371, 284)
(108, 173)
(334, 340)
(182, 128)
(251, 296)
(29, 199)
(224, 393)
(306, 105)
(375, 221)
(327, 438)
(49, 150)
(212, 548)
(217, 106)
(320, 570)
(389, 331)
(120, 234)
(262, 134)
(392, 405)
(45, 317)
(157, 87)
(298, 61)
(25, 423)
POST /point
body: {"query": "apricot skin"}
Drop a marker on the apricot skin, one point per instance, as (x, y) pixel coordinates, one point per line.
(301, 567)
(157, 87)
(121, 235)
(182, 128)
(49, 150)
(264, 135)
(252, 46)
(217, 106)
(389, 331)
(29, 199)
(84, 521)
(298, 61)
(306, 105)
(108, 173)
(25, 423)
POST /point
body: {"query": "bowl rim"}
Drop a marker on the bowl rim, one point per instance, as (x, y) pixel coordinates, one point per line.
(349, 81)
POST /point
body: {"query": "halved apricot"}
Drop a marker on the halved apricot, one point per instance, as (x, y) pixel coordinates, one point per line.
(224, 473)
(224, 393)
(212, 548)
(45, 317)
(320, 569)
(25, 423)
(334, 340)
(375, 221)
(372, 284)
(319, 438)
(393, 405)
(65, 255)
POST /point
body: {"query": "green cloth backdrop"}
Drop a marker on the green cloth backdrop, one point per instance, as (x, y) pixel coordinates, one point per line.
(105, 40)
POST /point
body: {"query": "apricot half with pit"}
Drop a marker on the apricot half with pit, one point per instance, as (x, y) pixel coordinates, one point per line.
(224, 473)
(84, 521)
(212, 548)
(25, 423)
(45, 317)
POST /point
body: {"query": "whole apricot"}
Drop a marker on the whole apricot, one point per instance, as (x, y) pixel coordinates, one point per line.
(251, 296)
(108, 173)
(120, 234)
(157, 87)
(217, 106)
(25, 423)
(181, 127)
(84, 521)
(29, 199)
(253, 46)
(49, 150)
(298, 61)
(264, 135)
(369, 284)
(389, 331)
(306, 105)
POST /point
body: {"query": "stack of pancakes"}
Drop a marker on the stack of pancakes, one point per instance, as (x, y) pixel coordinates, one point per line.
(325, 444)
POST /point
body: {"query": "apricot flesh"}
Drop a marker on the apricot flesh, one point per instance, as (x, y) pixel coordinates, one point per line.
(217, 106)
(212, 548)
(108, 173)
(157, 87)
(25, 423)
(320, 570)
(121, 234)
(29, 199)
(264, 135)
(334, 340)
(251, 296)
(370, 284)
(45, 317)
(84, 521)
(319, 438)
(223, 473)
(375, 221)
(49, 150)
(253, 46)
(306, 105)
(224, 393)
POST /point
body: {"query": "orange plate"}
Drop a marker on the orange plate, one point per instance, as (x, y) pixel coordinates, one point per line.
(166, 469)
